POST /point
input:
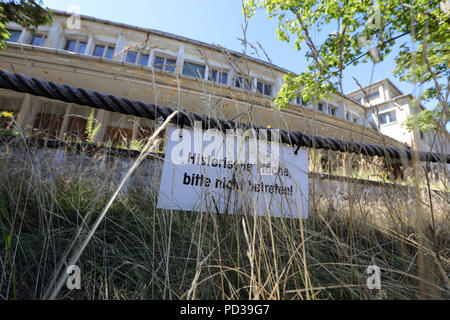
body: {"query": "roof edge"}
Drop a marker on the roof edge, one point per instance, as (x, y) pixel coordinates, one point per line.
(172, 36)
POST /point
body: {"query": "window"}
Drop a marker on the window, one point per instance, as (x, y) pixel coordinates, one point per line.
(374, 95)
(131, 57)
(241, 82)
(421, 134)
(143, 59)
(106, 52)
(164, 63)
(387, 117)
(75, 46)
(218, 76)
(194, 70)
(351, 117)
(48, 124)
(76, 129)
(137, 57)
(264, 88)
(118, 136)
(299, 100)
(321, 106)
(14, 35)
(332, 110)
(38, 40)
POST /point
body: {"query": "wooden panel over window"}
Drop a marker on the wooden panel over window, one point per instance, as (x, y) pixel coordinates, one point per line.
(48, 124)
(118, 136)
(144, 132)
(76, 130)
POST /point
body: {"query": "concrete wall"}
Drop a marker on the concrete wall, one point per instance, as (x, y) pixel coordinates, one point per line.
(329, 193)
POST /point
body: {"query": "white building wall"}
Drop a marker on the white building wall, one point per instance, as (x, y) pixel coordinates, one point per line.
(121, 36)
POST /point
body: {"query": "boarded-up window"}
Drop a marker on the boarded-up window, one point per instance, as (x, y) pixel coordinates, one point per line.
(144, 132)
(76, 129)
(118, 136)
(48, 124)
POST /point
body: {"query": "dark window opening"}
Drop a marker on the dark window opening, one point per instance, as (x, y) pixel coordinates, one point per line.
(218, 76)
(242, 82)
(263, 88)
(118, 137)
(76, 130)
(48, 125)
(194, 70)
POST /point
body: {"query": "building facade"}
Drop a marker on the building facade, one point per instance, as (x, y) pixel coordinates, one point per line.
(390, 108)
(166, 69)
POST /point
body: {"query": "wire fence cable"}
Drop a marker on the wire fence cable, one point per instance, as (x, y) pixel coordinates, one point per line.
(81, 96)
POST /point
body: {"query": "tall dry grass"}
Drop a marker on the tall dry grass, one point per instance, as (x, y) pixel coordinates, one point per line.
(140, 252)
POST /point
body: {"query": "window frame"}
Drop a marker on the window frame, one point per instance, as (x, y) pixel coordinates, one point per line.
(163, 66)
(77, 44)
(330, 107)
(105, 49)
(42, 42)
(388, 114)
(299, 101)
(351, 117)
(138, 58)
(321, 106)
(265, 84)
(242, 84)
(219, 71)
(194, 63)
(374, 95)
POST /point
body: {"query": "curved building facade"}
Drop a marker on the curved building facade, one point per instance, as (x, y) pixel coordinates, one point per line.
(166, 69)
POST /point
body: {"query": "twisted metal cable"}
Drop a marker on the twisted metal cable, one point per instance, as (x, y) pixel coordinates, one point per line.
(80, 96)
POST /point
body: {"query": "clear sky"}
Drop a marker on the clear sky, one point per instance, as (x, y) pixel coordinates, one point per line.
(220, 22)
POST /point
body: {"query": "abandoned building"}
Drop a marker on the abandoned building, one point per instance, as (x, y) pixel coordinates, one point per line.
(166, 69)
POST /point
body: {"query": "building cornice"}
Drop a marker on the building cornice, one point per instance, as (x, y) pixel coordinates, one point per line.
(195, 42)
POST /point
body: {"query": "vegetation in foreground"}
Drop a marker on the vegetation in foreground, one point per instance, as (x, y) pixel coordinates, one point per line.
(139, 252)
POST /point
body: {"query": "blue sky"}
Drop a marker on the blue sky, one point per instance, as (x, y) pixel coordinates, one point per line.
(220, 22)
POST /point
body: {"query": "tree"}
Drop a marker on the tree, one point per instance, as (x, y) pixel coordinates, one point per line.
(27, 13)
(366, 30)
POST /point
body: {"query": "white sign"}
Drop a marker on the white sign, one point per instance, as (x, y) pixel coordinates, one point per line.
(208, 171)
